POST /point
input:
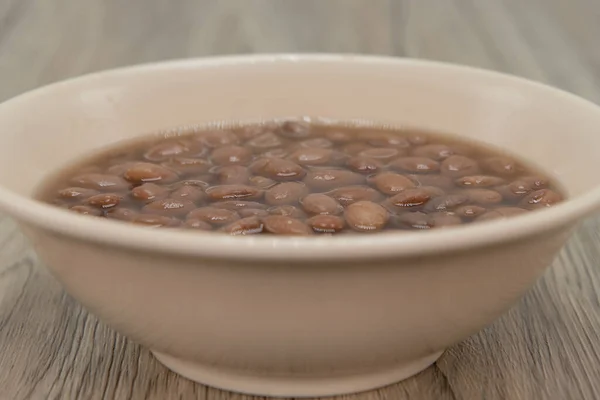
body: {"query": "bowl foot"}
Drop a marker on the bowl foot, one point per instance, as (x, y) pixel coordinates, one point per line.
(289, 386)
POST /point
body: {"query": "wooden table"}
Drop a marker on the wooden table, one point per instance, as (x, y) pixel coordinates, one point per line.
(547, 347)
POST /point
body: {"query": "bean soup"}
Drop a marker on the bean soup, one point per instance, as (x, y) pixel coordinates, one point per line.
(297, 177)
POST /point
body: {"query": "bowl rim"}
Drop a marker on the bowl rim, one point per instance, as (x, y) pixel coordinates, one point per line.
(34, 213)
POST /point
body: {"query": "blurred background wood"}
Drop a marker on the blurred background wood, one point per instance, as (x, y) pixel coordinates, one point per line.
(548, 347)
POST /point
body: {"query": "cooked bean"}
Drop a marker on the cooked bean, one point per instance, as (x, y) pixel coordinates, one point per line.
(328, 179)
(245, 133)
(155, 221)
(338, 136)
(383, 154)
(146, 172)
(508, 194)
(458, 166)
(198, 224)
(413, 220)
(101, 182)
(230, 155)
(312, 156)
(288, 211)
(233, 175)
(188, 166)
(527, 184)
(234, 192)
(351, 194)
(218, 138)
(278, 169)
(352, 149)
(391, 183)
(503, 166)
(326, 223)
(252, 212)
(317, 203)
(440, 181)
(447, 202)
(86, 210)
(366, 216)
(387, 139)
(262, 182)
(540, 199)
(432, 191)
(104, 200)
(149, 191)
(285, 193)
(479, 181)
(501, 212)
(295, 129)
(188, 192)
(483, 196)
(282, 225)
(417, 139)
(122, 214)
(317, 143)
(198, 183)
(237, 205)
(364, 165)
(409, 199)
(164, 151)
(119, 168)
(443, 219)
(76, 193)
(169, 207)
(244, 226)
(213, 215)
(265, 141)
(417, 165)
(420, 220)
(276, 153)
(436, 152)
(470, 211)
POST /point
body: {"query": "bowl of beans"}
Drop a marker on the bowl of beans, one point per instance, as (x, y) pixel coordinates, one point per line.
(298, 225)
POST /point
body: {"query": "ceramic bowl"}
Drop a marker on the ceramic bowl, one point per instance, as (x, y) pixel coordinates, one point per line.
(285, 316)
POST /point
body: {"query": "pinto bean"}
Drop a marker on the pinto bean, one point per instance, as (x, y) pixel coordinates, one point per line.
(149, 191)
(213, 215)
(283, 225)
(328, 179)
(278, 169)
(286, 193)
(230, 155)
(391, 183)
(326, 223)
(100, 182)
(366, 216)
(146, 172)
(458, 166)
(169, 207)
(318, 203)
(540, 199)
(234, 192)
(416, 165)
(364, 165)
(244, 226)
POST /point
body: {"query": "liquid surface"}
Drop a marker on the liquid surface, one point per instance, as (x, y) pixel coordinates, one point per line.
(298, 178)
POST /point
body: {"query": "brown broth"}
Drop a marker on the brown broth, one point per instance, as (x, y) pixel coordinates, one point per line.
(299, 178)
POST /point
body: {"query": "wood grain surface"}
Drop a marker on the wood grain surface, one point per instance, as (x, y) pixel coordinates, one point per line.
(547, 347)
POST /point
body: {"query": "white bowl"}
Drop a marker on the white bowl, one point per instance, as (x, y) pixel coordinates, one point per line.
(297, 316)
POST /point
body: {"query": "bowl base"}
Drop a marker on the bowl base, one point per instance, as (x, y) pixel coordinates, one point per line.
(279, 386)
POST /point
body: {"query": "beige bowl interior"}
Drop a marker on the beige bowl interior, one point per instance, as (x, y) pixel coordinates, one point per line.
(552, 129)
